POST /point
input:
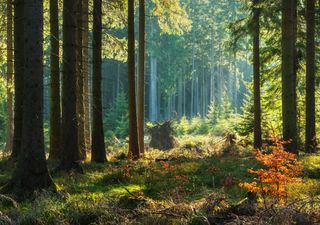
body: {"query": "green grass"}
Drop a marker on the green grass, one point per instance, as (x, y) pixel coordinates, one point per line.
(106, 192)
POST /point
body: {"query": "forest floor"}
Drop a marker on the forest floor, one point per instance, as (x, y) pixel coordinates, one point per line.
(196, 183)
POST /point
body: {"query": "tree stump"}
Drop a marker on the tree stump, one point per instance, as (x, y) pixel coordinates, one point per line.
(162, 136)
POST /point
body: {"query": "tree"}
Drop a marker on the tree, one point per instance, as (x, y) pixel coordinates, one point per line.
(289, 76)
(85, 71)
(18, 76)
(133, 131)
(310, 138)
(80, 84)
(256, 75)
(98, 145)
(9, 141)
(141, 74)
(55, 109)
(70, 147)
(31, 172)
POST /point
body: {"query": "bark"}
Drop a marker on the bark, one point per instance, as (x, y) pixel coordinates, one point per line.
(55, 109)
(98, 145)
(31, 172)
(80, 85)
(70, 146)
(18, 76)
(310, 141)
(256, 77)
(141, 101)
(289, 104)
(9, 139)
(133, 131)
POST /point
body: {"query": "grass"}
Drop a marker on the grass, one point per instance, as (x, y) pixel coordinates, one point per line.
(124, 192)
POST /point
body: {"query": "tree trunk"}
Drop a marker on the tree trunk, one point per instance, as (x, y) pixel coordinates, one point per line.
(71, 154)
(98, 145)
(153, 90)
(18, 76)
(9, 139)
(256, 76)
(310, 142)
(133, 131)
(80, 84)
(55, 109)
(141, 74)
(85, 72)
(289, 104)
(31, 172)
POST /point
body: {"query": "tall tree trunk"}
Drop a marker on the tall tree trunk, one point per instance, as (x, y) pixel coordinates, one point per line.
(98, 145)
(71, 154)
(31, 172)
(18, 76)
(310, 141)
(256, 76)
(55, 109)
(133, 131)
(153, 90)
(289, 104)
(85, 72)
(9, 139)
(80, 84)
(142, 25)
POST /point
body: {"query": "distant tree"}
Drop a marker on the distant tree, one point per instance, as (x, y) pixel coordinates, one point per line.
(289, 74)
(31, 172)
(98, 145)
(18, 76)
(55, 109)
(256, 75)
(9, 140)
(70, 154)
(310, 138)
(80, 83)
(133, 131)
(141, 101)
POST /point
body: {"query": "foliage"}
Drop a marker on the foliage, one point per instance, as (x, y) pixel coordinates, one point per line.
(116, 119)
(281, 168)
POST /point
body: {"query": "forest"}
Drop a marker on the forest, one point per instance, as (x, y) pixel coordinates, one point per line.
(159, 112)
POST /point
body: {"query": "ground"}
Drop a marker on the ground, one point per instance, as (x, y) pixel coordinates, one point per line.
(192, 184)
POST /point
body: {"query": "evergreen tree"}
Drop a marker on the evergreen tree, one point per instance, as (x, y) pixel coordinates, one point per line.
(18, 76)
(256, 75)
(55, 109)
(9, 138)
(289, 74)
(134, 152)
(310, 137)
(31, 172)
(141, 74)
(70, 154)
(98, 145)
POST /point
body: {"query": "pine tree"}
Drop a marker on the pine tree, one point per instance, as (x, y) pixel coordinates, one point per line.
(141, 74)
(31, 172)
(289, 74)
(98, 145)
(133, 131)
(310, 138)
(70, 154)
(256, 75)
(18, 76)
(9, 139)
(55, 109)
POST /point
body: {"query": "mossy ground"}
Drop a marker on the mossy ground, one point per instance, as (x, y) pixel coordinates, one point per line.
(123, 192)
